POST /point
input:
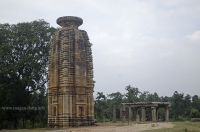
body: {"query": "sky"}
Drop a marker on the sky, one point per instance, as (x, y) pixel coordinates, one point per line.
(153, 45)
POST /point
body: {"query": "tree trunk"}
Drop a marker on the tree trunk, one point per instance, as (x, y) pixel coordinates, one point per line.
(23, 122)
(14, 124)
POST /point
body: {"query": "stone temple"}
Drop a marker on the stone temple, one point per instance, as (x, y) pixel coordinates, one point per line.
(70, 84)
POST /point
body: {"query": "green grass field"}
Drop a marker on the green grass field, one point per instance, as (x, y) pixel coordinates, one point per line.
(180, 127)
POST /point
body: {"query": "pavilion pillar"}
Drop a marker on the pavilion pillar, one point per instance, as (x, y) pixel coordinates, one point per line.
(166, 113)
(123, 116)
(157, 113)
(143, 114)
(120, 110)
(135, 110)
(114, 114)
(130, 114)
(153, 111)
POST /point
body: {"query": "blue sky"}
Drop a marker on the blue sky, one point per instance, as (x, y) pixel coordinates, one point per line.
(150, 44)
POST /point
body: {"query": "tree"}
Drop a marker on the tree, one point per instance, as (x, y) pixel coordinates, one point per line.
(187, 104)
(165, 99)
(196, 102)
(194, 113)
(181, 105)
(23, 65)
(116, 99)
(100, 96)
(143, 96)
(100, 105)
(132, 94)
(154, 97)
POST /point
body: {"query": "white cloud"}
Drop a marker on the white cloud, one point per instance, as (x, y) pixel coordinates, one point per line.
(194, 37)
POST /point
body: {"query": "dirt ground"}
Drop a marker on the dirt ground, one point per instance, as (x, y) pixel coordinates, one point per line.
(119, 128)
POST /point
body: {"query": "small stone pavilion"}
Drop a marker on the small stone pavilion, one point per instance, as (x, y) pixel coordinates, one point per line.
(70, 76)
(133, 108)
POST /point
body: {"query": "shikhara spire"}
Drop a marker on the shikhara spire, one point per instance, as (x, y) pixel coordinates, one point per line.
(70, 84)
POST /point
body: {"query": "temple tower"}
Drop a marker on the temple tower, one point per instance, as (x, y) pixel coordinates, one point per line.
(70, 84)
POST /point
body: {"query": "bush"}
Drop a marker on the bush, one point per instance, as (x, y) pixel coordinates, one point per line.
(180, 118)
(194, 113)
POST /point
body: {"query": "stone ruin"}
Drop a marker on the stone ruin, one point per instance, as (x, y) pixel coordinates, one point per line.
(70, 76)
(133, 108)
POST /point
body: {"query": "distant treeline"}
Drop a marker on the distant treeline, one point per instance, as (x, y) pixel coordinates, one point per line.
(183, 107)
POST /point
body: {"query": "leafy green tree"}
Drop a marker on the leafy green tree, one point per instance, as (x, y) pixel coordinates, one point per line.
(39, 100)
(23, 65)
(177, 104)
(187, 105)
(100, 96)
(194, 113)
(196, 102)
(181, 105)
(132, 94)
(100, 105)
(143, 96)
(153, 97)
(165, 99)
(115, 99)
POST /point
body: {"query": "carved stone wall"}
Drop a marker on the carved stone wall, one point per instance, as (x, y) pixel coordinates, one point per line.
(70, 84)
